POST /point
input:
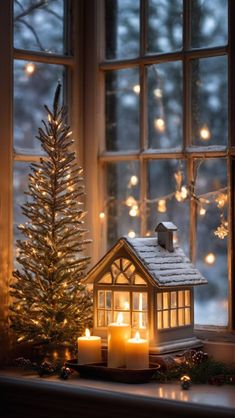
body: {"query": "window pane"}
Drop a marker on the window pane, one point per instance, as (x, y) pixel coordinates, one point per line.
(164, 25)
(108, 299)
(106, 279)
(122, 300)
(20, 185)
(165, 319)
(159, 301)
(209, 23)
(211, 299)
(187, 316)
(163, 202)
(187, 297)
(159, 320)
(122, 109)
(101, 319)
(165, 300)
(173, 299)
(139, 280)
(140, 301)
(181, 317)
(121, 279)
(173, 318)
(31, 93)
(101, 299)
(39, 25)
(165, 105)
(139, 320)
(181, 298)
(209, 90)
(123, 218)
(125, 316)
(122, 28)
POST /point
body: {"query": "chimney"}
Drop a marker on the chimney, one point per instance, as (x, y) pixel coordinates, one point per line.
(165, 235)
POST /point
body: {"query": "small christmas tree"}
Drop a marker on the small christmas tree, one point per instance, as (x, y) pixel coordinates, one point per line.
(50, 304)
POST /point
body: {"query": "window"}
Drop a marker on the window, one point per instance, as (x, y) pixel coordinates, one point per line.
(173, 309)
(164, 146)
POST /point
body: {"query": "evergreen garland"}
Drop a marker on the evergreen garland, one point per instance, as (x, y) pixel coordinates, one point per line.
(50, 303)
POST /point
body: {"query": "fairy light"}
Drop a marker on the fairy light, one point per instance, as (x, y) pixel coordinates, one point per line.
(202, 211)
(184, 192)
(102, 215)
(134, 180)
(130, 201)
(30, 68)
(134, 211)
(210, 258)
(159, 124)
(136, 89)
(221, 200)
(157, 93)
(131, 234)
(161, 206)
(205, 133)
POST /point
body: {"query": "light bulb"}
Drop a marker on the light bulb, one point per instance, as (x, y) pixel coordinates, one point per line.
(131, 234)
(210, 258)
(136, 89)
(202, 211)
(134, 211)
(205, 133)
(30, 68)
(159, 124)
(130, 201)
(134, 180)
(102, 215)
(157, 93)
(161, 206)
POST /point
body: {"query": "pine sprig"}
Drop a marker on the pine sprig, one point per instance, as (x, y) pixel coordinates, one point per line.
(50, 302)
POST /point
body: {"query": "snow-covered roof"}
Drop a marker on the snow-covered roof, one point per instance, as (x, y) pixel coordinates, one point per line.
(166, 268)
(166, 225)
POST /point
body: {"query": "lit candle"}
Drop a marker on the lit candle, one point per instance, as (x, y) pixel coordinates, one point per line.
(118, 334)
(89, 349)
(137, 353)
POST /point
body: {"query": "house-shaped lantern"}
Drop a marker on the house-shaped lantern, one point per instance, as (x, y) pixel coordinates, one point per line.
(151, 282)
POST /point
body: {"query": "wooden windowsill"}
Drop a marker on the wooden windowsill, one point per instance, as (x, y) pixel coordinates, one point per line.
(24, 394)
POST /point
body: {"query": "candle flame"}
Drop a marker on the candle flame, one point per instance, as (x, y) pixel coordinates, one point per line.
(87, 333)
(137, 336)
(120, 318)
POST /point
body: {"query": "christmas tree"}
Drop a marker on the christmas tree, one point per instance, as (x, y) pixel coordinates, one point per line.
(50, 304)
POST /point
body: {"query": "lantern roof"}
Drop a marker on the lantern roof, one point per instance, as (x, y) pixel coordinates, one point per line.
(160, 266)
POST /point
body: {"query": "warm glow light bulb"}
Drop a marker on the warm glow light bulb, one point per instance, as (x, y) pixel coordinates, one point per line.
(157, 93)
(134, 211)
(205, 133)
(159, 124)
(130, 201)
(136, 89)
(210, 258)
(202, 211)
(102, 215)
(131, 234)
(184, 192)
(30, 68)
(134, 180)
(161, 207)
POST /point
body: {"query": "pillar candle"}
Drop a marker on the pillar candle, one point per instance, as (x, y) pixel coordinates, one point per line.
(89, 349)
(118, 334)
(137, 353)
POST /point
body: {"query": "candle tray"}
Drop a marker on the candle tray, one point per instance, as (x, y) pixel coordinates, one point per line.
(100, 371)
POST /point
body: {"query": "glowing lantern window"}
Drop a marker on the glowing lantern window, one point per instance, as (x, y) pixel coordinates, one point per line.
(107, 278)
(173, 309)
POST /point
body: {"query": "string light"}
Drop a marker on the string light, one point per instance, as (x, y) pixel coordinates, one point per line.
(30, 68)
(134, 211)
(159, 124)
(161, 206)
(202, 211)
(221, 200)
(205, 133)
(102, 215)
(136, 89)
(210, 258)
(222, 230)
(157, 93)
(131, 234)
(130, 201)
(134, 180)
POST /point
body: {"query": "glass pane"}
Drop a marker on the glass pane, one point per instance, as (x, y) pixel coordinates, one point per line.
(139, 280)
(122, 109)
(187, 316)
(173, 318)
(139, 320)
(165, 319)
(140, 301)
(115, 270)
(125, 315)
(209, 23)
(165, 300)
(20, 185)
(211, 249)
(159, 320)
(165, 105)
(209, 95)
(31, 92)
(106, 279)
(122, 300)
(181, 317)
(101, 319)
(129, 272)
(167, 198)
(165, 25)
(122, 25)
(125, 263)
(39, 25)
(122, 183)
(101, 299)
(181, 298)
(187, 297)
(173, 299)
(121, 279)
(108, 317)
(159, 301)
(108, 299)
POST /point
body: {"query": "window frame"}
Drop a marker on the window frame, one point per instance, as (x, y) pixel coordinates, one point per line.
(97, 157)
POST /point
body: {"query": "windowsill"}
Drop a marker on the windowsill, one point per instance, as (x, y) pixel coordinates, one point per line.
(24, 393)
